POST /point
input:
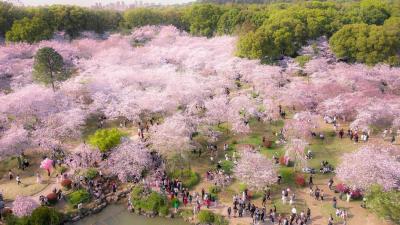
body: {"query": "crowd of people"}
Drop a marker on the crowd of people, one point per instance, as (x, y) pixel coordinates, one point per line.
(243, 207)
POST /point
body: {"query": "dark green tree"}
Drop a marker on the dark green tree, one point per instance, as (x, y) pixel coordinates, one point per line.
(229, 21)
(364, 43)
(374, 11)
(29, 30)
(8, 14)
(142, 16)
(48, 67)
(203, 19)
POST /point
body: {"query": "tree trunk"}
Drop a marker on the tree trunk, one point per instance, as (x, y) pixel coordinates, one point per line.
(52, 81)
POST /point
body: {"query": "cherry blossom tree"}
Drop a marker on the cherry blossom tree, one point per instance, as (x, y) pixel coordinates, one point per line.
(129, 160)
(376, 163)
(301, 126)
(188, 82)
(14, 141)
(255, 170)
(295, 150)
(216, 109)
(174, 135)
(83, 157)
(23, 206)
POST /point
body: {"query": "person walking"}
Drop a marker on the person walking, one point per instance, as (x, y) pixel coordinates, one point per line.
(330, 183)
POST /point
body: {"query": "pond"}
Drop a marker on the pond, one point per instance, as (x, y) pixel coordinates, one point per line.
(118, 215)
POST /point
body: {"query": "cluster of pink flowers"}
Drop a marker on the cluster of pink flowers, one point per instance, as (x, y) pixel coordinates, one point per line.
(23, 206)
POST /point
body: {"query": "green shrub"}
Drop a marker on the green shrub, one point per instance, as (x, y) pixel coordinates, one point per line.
(227, 166)
(13, 220)
(288, 176)
(186, 214)
(45, 216)
(149, 201)
(303, 59)
(163, 211)
(385, 204)
(214, 189)
(91, 173)
(105, 139)
(153, 202)
(61, 169)
(220, 220)
(213, 196)
(79, 196)
(137, 192)
(242, 187)
(188, 177)
(206, 217)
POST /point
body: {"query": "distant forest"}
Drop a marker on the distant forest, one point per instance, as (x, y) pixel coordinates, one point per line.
(366, 31)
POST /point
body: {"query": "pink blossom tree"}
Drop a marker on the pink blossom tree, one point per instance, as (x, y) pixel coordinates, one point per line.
(174, 135)
(129, 160)
(301, 126)
(216, 109)
(14, 141)
(83, 157)
(23, 206)
(372, 164)
(255, 170)
(295, 150)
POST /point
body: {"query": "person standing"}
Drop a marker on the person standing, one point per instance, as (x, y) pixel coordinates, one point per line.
(294, 211)
(330, 221)
(334, 202)
(264, 200)
(348, 195)
(10, 174)
(58, 178)
(38, 178)
(229, 212)
(18, 179)
(341, 133)
(308, 214)
(114, 187)
(310, 180)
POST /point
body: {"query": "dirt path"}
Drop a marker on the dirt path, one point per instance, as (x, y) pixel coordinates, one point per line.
(52, 184)
(320, 210)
